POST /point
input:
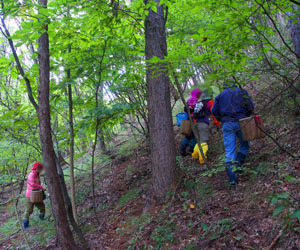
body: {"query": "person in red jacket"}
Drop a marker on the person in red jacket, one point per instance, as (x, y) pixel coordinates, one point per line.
(34, 183)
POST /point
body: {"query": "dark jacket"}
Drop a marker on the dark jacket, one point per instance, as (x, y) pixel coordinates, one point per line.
(207, 113)
(232, 104)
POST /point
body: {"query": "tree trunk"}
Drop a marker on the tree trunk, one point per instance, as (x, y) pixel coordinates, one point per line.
(101, 139)
(101, 142)
(160, 119)
(68, 202)
(59, 211)
(72, 177)
(294, 25)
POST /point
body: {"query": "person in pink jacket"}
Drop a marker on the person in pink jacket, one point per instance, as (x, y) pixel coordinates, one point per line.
(189, 142)
(34, 183)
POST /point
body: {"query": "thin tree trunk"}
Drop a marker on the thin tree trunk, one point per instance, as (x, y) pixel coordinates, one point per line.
(94, 145)
(160, 119)
(294, 25)
(93, 170)
(69, 207)
(101, 142)
(101, 139)
(59, 211)
(71, 126)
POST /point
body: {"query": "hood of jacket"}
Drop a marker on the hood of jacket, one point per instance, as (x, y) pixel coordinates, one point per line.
(196, 93)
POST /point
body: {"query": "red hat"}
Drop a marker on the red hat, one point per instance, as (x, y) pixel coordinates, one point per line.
(37, 165)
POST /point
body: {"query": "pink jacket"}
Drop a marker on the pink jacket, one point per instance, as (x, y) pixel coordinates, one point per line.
(33, 182)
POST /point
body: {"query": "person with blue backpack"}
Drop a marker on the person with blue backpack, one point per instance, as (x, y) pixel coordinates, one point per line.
(231, 105)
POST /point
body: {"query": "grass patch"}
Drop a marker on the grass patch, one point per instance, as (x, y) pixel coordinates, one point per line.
(126, 149)
(129, 196)
(136, 221)
(130, 170)
(44, 231)
(9, 227)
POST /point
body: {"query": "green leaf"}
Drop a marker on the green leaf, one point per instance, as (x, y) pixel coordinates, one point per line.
(278, 210)
(204, 227)
(276, 60)
(296, 214)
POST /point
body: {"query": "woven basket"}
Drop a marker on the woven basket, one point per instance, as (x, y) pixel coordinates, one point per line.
(250, 128)
(186, 127)
(36, 196)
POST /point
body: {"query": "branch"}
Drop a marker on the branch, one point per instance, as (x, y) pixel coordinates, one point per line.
(262, 130)
(166, 15)
(274, 242)
(13, 49)
(295, 2)
(276, 28)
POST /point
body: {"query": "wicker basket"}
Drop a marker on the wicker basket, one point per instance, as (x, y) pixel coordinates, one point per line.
(186, 127)
(250, 128)
(36, 196)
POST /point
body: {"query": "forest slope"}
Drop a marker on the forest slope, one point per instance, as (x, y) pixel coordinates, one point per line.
(203, 210)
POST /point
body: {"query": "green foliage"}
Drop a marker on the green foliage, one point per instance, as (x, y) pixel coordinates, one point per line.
(133, 224)
(163, 235)
(218, 167)
(9, 227)
(128, 196)
(102, 44)
(284, 207)
(138, 223)
(39, 233)
(126, 149)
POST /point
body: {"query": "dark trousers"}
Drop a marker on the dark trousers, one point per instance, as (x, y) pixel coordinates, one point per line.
(188, 141)
(29, 206)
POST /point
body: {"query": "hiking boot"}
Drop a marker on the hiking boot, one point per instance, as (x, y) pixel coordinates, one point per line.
(42, 216)
(240, 159)
(26, 223)
(232, 175)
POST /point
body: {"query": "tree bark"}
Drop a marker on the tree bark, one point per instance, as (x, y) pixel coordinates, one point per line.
(71, 126)
(68, 202)
(59, 211)
(160, 119)
(294, 25)
(101, 142)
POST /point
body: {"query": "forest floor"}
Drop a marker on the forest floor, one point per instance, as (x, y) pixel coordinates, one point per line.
(203, 211)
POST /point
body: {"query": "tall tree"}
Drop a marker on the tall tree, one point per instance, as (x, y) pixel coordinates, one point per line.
(59, 211)
(72, 177)
(159, 105)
